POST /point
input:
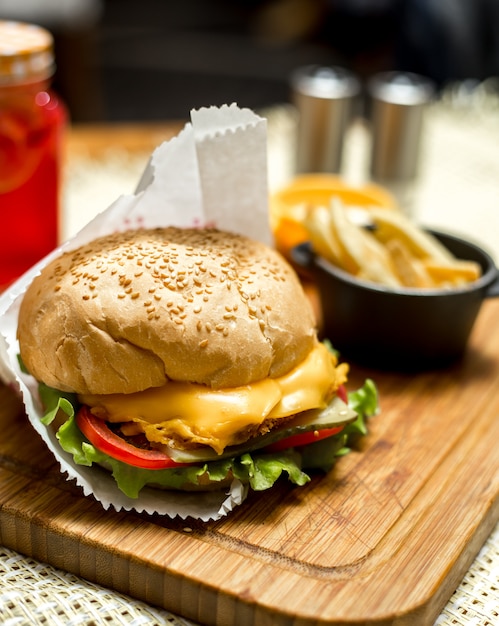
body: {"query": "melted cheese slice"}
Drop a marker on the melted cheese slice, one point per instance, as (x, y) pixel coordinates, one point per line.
(197, 414)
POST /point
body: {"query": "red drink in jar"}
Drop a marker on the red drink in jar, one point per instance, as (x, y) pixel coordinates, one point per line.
(32, 119)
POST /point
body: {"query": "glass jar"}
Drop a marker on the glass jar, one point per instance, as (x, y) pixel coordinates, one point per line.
(32, 120)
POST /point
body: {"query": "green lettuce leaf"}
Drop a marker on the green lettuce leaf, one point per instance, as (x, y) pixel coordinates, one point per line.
(261, 471)
(365, 401)
(54, 400)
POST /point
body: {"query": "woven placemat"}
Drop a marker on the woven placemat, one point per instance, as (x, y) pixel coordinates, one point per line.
(476, 601)
(33, 593)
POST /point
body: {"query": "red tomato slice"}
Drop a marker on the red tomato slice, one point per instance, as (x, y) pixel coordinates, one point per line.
(103, 438)
(342, 394)
(303, 439)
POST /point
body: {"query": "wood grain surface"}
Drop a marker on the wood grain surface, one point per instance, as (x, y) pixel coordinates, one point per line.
(384, 539)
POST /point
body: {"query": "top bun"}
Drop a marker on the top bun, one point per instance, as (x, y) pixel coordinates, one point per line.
(133, 310)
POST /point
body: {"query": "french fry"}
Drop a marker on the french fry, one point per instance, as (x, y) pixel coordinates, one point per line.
(409, 269)
(457, 272)
(395, 252)
(367, 255)
(393, 224)
(318, 224)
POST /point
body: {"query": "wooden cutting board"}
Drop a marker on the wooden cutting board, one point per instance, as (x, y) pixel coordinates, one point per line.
(385, 538)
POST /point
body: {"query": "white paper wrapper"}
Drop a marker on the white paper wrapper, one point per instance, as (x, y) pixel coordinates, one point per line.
(214, 173)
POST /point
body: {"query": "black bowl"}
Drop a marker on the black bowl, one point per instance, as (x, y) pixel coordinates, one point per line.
(400, 329)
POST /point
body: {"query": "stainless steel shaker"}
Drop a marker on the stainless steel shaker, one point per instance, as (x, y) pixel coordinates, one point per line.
(398, 101)
(325, 98)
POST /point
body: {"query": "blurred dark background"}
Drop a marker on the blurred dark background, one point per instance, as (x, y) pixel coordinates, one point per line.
(125, 60)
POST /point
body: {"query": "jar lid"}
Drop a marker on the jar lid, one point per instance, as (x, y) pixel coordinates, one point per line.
(330, 82)
(26, 52)
(404, 88)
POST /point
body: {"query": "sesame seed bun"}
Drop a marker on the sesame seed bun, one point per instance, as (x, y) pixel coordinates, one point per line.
(133, 310)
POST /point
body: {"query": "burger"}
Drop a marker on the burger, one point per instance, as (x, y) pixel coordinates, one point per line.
(186, 359)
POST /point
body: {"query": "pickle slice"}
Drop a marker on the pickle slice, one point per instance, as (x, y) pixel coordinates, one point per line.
(335, 414)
